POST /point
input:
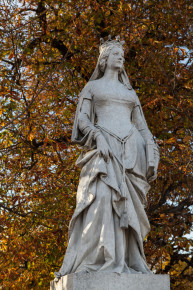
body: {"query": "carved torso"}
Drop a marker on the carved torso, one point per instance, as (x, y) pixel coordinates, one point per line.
(113, 106)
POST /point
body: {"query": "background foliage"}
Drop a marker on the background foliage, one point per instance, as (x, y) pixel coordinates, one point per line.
(48, 50)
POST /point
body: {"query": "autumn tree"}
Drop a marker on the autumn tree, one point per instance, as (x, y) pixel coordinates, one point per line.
(48, 50)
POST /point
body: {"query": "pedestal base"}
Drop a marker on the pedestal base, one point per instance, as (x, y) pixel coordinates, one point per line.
(111, 281)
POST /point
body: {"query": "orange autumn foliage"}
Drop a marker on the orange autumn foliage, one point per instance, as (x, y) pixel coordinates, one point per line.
(48, 50)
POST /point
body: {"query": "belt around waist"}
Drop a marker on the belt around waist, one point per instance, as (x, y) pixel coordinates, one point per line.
(122, 140)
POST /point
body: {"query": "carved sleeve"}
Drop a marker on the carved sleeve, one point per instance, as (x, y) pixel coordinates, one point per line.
(152, 150)
(140, 123)
(84, 132)
(85, 125)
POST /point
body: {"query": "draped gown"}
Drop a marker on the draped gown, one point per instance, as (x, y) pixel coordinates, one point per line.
(109, 224)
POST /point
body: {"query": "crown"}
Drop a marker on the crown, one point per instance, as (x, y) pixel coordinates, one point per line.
(105, 44)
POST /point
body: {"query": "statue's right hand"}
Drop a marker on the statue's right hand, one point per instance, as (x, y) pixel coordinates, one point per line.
(103, 148)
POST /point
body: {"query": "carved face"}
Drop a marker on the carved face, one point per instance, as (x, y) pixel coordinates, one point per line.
(116, 58)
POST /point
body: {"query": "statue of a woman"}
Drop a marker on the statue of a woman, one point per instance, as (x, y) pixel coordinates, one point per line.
(119, 158)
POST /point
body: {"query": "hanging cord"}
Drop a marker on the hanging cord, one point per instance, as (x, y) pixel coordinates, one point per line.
(124, 220)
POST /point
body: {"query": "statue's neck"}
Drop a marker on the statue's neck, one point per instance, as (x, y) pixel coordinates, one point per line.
(111, 75)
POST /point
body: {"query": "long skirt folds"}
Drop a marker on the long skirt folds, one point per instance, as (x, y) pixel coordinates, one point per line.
(97, 241)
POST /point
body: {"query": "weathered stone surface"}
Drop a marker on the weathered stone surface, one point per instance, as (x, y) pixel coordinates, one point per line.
(111, 281)
(119, 160)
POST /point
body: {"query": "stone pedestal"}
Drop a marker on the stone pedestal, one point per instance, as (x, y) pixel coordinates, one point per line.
(111, 281)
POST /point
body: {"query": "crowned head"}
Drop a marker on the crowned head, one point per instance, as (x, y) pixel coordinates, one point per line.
(105, 49)
(110, 43)
(108, 51)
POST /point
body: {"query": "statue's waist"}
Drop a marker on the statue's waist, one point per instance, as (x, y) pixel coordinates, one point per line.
(129, 132)
(119, 120)
(120, 131)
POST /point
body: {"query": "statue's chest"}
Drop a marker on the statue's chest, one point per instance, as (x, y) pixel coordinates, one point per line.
(112, 94)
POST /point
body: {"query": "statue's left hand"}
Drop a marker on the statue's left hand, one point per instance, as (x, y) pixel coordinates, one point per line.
(103, 148)
(153, 177)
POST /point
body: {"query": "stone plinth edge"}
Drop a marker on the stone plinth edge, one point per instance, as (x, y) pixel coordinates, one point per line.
(111, 281)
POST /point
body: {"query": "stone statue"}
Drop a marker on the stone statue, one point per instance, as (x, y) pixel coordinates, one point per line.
(118, 161)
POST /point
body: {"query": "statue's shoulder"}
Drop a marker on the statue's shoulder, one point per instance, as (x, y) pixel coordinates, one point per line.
(91, 86)
(88, 90)
(94, 83)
